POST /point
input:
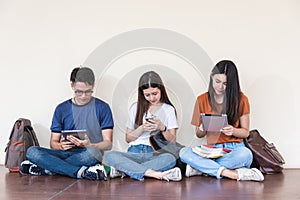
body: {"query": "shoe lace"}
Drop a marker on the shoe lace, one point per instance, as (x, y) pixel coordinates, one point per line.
(91, 175)
(249, 173)
(95, 173)
(36, 170)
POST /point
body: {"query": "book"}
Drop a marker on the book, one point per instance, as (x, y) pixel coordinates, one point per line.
(210, 151)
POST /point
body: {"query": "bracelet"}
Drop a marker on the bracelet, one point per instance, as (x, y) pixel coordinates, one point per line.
(164, 129)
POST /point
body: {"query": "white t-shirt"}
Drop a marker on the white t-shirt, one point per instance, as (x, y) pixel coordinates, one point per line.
(166, 114)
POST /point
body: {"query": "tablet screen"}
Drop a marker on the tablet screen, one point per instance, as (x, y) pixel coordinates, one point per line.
(76, 133)
(213, 122)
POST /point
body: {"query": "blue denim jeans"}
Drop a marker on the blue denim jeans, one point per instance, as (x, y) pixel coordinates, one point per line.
(240, 156)
(71, 162)
(138, 160)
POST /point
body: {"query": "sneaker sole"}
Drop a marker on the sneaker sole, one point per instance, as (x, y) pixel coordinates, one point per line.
(259, 173)
(186, 171)
(25, 174)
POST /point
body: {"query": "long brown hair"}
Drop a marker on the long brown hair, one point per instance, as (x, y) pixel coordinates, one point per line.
(232, 95)
(147, 80)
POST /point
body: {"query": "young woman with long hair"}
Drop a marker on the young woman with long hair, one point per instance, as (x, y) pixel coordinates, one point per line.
(151, 113)
(224, 96)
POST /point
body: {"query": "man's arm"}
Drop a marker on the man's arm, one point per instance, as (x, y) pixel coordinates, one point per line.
(56, 143)
(106, 144)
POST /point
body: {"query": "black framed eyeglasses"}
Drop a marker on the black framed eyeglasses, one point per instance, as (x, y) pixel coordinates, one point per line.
(87, 92)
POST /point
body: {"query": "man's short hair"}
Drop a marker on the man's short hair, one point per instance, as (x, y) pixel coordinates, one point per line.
(82, 74)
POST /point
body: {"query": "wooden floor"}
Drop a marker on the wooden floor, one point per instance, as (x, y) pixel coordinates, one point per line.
(16, 186)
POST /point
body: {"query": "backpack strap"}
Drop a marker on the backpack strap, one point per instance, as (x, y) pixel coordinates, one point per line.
(30, 130)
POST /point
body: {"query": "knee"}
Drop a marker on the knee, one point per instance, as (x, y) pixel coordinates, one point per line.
(169, 157)
(95, 152)
(91, 156)
(32, 152)
(183, 154)
(245, 154)
(110, 156)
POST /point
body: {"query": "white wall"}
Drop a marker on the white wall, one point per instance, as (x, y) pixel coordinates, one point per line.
(41, 41)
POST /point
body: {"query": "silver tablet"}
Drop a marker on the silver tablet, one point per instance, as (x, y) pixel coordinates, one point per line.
(76, 133)
(213, 122)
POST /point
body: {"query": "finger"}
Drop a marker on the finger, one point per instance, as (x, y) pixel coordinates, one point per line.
(150, 121)
(69, 147)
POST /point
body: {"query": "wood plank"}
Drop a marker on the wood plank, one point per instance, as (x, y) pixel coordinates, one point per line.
(279, 186)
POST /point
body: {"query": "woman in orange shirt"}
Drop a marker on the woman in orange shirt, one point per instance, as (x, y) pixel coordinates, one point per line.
(224, 96)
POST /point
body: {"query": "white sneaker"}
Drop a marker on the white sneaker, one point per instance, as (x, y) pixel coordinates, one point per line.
(28, 167)
(96, 172)
(189, 171)
(115, 173)
(252, 174)
(172, 175)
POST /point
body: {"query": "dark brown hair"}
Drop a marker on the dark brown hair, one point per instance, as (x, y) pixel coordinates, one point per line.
(232, 95)
(82, 74)
(147, 80)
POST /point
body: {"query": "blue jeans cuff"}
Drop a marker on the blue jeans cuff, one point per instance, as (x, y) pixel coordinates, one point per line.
(219, 172)
(80, 171)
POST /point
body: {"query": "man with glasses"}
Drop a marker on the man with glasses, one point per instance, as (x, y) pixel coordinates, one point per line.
(72, 156)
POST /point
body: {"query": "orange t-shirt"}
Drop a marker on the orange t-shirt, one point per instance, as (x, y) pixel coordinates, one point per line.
(202, 105)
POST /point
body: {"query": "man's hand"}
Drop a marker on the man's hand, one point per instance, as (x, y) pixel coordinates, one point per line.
(78, 142)
(66, 145)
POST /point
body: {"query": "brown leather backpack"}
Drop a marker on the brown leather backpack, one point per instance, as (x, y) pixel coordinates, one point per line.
(266, 157)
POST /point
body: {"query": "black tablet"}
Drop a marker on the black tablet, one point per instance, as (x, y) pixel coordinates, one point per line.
(76, 133)
(213, 122)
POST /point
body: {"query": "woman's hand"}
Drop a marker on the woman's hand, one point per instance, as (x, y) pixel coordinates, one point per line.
(201, 127)
(150, 125)
(200, 132)
(228, 130)
(153, 125)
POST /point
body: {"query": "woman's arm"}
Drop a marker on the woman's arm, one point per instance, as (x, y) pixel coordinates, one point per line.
(132, 135)
(152, 125)
(156, 124)
(242, 132)
(200, 132)
(170, 135)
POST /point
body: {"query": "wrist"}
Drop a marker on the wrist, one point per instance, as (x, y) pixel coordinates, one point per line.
(164, 129)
